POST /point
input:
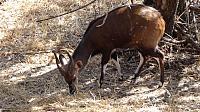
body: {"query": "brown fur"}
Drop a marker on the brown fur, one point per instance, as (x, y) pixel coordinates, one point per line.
(136, 26)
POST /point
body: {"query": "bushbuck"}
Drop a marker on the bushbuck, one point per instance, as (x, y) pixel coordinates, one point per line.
(135, 26)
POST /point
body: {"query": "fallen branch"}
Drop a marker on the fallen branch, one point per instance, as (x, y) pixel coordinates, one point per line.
(24, 53)
(195, 9)
(172, 40)
(188, 38)
(189, 50)
(52, 17)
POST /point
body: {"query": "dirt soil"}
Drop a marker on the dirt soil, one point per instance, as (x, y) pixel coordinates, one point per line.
(30, 80)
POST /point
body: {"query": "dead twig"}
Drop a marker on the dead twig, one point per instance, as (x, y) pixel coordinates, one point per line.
(24, 53)
(93, 95)
(52, 17)
(104, 20)
(189, 50)
(188, 38)
(195, 9)
(173, 40)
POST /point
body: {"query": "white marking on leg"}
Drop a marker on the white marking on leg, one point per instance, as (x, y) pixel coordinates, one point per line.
(104, 68)
(118, 66)
(140, 64)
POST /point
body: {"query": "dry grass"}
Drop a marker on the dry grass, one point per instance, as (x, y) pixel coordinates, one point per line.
(31, 82)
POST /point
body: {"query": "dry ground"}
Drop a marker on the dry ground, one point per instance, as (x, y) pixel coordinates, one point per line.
(31, 82)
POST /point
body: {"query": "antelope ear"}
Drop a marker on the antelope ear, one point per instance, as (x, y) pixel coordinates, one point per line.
(78, 64)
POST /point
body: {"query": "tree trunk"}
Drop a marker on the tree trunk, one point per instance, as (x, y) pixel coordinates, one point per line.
(168, 10)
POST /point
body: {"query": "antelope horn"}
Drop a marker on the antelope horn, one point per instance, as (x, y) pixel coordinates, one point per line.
(57, 61)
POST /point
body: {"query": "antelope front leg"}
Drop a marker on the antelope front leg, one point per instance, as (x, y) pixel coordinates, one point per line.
(104, 61)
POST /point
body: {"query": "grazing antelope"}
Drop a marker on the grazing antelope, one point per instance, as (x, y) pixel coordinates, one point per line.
(136, 26)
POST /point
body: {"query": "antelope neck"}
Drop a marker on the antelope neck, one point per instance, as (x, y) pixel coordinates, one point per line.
(83, 52)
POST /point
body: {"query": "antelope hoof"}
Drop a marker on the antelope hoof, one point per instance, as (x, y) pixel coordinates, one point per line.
(100, 84)
(72, 90)
(160, 85)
